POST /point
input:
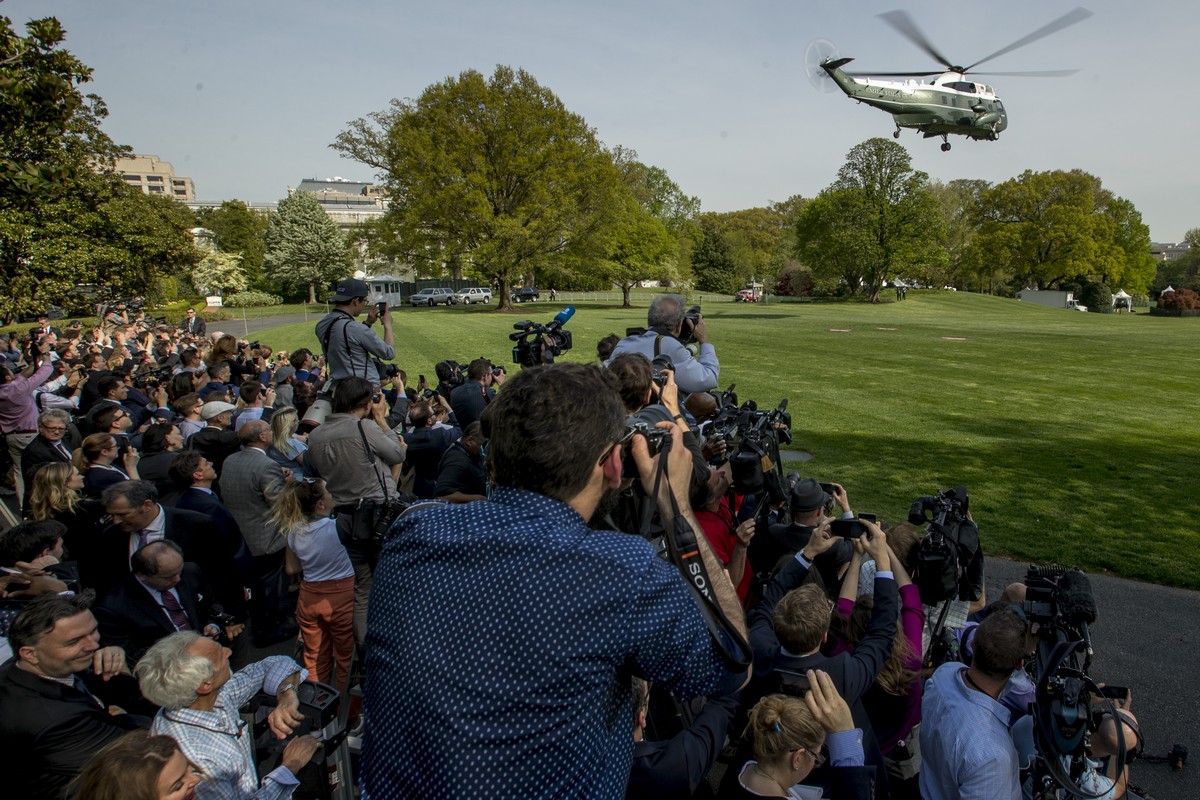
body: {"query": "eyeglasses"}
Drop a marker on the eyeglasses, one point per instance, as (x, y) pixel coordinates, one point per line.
(53, 429)
(625, 439)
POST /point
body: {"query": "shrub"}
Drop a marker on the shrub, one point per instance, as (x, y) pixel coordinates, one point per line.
(1179, 300)
(252, 299)
(1097, 297)
(794, 282)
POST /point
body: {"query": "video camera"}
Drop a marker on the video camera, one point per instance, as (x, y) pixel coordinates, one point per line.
(1060, 603)
(753, 437)
(539, 344)
(151, 379)
(949, 558)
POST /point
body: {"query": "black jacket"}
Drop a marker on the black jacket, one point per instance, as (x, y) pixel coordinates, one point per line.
(40, 451)
(131, 618)
(48, 731)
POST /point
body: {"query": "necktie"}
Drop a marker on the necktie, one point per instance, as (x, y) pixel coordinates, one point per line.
(143, 538)
(175, 611)
(62, 448)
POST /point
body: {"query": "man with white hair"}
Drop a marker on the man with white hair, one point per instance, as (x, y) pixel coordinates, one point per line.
(665, 325)
(187, 675)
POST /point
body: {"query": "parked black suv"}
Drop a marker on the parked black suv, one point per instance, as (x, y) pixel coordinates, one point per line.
(526, 294)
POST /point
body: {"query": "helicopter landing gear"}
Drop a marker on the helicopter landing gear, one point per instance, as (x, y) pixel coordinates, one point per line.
(945, 143)
(896, 133)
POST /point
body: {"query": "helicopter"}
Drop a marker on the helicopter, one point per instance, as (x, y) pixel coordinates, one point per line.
(952, 103)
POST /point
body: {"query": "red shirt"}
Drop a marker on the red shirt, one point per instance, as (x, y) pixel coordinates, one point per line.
(720, 528)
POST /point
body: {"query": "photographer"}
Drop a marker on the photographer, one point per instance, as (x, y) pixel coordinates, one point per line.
(665, 323)
(469, 400)
(354, 450)
(530, 624)
(809, 504)
(966, 748)
(350, 347)
(427, 443)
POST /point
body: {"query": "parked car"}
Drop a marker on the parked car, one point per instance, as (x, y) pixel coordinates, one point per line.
(431, 297)
(475, 294)
(745, 296)
(526, 294)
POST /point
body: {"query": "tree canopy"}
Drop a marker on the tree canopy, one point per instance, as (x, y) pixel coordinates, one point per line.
(242, 231)
(304, 248)
(878, 220)
(1054, 229)
(493, 173)
(66, 219)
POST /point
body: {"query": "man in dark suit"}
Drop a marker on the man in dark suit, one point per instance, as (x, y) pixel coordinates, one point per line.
(788, 628)
(137, 520)
(56, 693)
(216, 441)
(162, 594)
(469, 400)
(53, 443)
(192, 324)
(194, 476)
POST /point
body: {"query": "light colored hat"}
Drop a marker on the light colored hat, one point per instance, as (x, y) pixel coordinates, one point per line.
(215, 409)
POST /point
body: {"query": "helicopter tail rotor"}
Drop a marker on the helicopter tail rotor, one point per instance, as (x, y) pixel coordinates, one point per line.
(819, 50)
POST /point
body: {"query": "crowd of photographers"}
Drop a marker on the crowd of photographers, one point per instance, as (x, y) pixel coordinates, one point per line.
(642, 594)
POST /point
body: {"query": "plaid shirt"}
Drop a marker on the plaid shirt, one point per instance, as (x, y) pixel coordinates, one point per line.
(216, 742)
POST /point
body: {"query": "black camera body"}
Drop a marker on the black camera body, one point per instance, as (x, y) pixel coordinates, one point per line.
(662, 365)
(949, 557)
(687, 333)
(644, 424)
(152, 379)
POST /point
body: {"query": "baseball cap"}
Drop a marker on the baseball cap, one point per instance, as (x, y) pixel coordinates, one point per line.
(350, 289)
(215, 408)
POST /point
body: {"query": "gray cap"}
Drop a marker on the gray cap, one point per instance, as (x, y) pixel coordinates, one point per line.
(350, 289)
(214, 408)
(807, 495)
(284, 372)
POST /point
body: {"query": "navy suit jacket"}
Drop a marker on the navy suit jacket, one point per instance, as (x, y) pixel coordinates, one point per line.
(207, 503)
(131, 618)
(676, 767)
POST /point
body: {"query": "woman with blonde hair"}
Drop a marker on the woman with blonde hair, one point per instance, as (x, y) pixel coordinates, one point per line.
(788, 733)
(137, 766)
(56, 493)
(95, 459)
(286, 448)
(325, 608)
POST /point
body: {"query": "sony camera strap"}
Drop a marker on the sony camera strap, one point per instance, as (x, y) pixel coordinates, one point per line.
(684, 552)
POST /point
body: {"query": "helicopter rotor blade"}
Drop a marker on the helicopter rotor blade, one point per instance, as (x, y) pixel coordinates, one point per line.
(1038, 73)
(903, 23)
(894, 74)
(1066, 20)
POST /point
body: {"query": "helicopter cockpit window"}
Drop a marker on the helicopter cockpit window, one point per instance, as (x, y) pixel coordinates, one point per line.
(962, 86)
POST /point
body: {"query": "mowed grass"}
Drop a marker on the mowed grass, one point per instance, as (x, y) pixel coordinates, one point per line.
(1075, 433)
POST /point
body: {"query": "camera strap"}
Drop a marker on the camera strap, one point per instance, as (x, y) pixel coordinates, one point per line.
(684, 552)
(370, 460)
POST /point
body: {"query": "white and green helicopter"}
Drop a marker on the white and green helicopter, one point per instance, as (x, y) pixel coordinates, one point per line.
(952, 103)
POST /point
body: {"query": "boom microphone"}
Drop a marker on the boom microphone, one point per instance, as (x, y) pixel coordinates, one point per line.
(1076, 602)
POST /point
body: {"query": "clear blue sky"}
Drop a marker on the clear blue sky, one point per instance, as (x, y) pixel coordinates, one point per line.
(244, 96)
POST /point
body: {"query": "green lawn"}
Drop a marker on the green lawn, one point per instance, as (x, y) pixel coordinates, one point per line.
(1075, 432)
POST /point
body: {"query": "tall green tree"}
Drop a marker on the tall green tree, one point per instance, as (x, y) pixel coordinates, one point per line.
(712, 261)
(1056, 228)
(494, 173)
(959, 204)
(640, 248)
(304, 248)
(65, 217)
(239, 229)
(879, 216)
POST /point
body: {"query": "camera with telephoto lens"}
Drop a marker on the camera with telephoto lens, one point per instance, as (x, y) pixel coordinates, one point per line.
(644, 423)
(662, 365)
(386, 371)
(152, 378)
(687, 332)
(539, 344)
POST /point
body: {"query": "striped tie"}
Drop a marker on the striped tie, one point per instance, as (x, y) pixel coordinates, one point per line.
(175, 611)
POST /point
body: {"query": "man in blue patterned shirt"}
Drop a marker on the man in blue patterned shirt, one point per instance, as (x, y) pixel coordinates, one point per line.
(502, 634)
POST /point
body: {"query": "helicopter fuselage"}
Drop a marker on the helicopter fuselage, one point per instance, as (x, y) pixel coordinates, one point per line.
(951, 104)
